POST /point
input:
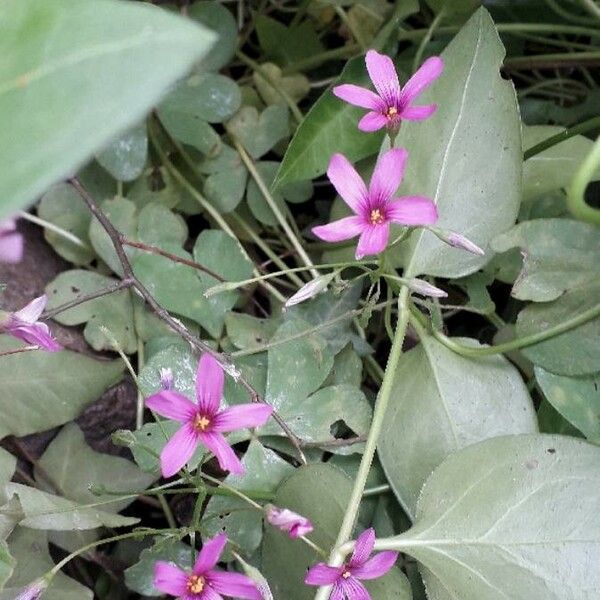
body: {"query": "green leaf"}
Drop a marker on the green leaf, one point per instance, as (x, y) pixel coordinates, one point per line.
(113, 311)
(467, 156)
(330, 126)
(8, 464)
(242, 523)
(140, 577)
(558, 256)
(555, 167)
(296, 86)
(7, 564)
(33, 560)
(42, 510)
(44, 389)
(259, 133)
(219, 20)
(576, 399)
(321, 493)
(475, 285)
(574, 352)
(73, 467)
(206, 96)
(125, 157)
(438, 413)
(86, 71)
(61, 205)
(489, 525)
(287, 45)
(225, 189)
(246, 331)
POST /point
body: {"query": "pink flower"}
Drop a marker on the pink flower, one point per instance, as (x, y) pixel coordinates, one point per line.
(24, 325)
(391, 104)
(294, 524)
(374, 208)
(11, 242)
(34, 590)
(204, 582)
(203, 423)
(345, 579)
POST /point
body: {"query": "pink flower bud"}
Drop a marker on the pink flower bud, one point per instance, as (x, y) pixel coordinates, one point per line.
(294, 524)
(426, 289)
(460, 241)
(311, 289)
(166, 378)
(34, 590)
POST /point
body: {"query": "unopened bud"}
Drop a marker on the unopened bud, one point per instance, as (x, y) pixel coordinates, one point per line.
(311, 289)
(426, 289)
(292, 523)
(456, 240)
(166, 378)
(34, 590)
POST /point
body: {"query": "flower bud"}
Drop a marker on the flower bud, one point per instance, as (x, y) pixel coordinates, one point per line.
(294, 524)
(34, 590)
(166, 378)
(426, 289)
(460, 241)
(310, 289)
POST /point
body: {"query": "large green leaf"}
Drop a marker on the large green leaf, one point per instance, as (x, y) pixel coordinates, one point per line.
(74, 75)
(444, 402)
(558, 255)
(41, 390)
(513, 517)
(321, 493)
(330, 126)
(577, 399)
(467, 156)
(74, 467)
(30, 549)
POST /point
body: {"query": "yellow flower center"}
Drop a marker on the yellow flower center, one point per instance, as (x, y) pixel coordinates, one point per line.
(391, 112)
(346, 574)
(201, 422)
(195, 584)
(376, 217)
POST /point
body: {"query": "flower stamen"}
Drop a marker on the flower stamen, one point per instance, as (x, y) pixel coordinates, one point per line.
(391, 112)
(376, 217)
(346, 574)
(195, 584)
(201, 422)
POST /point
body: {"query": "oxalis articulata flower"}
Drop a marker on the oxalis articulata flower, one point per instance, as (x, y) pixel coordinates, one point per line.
(292, 523)
(11, 242)
(391, 104)
(374, 208)
(203, 422)
(204, 582)
(25, 326)
(346, 579)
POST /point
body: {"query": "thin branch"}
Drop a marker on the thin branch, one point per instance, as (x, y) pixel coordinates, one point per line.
(19, 350)
(174, 324)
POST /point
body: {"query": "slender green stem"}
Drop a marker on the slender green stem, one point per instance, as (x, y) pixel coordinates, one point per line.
(576, 203)
(384, 488)
(336, 558)
(523, 342)
(584, 127)
(426, 39)
(298, 116)
(552, 60)
(591, 7)
(67, 235)
(167, 511)
(262, 186)
(565, 14)
(351, 28)
(315, 60)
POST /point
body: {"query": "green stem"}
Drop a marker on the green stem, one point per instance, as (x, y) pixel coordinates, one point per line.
(580, 128)
(576, 203)
(167, 511)
(67, 235)
(552, 60)
(426, 39)
(298, 116)
(337, 557)
(523, 342)
(353, 30)
(317, 59)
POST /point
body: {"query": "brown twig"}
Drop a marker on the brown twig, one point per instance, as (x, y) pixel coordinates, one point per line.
(174, 324)
(19, 350)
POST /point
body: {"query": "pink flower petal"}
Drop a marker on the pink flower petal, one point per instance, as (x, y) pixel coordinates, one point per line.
(387, 175)
(210, 554)
(384, 77)
(172, 405)
(207, 594)
(372, 240)
(412, 210)
(363, 548)
(322, 574)
(210, 380)
(342, 229)
(32, 311)
(11, 248)
(226, 457)
(235, 585)
(347, 182)
(377, 566)
(178, 450)
(372, 121)
(418, 113)
(170, 579)
(338, 592)
(359, 96)
(427, 73)
(241, 416)
(36, 334)
(287, 520)
(354, 589)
